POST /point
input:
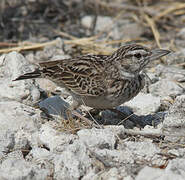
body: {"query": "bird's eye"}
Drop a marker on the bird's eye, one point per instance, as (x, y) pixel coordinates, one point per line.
(138, 55)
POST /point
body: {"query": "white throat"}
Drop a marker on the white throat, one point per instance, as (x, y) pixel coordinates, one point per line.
(127, 74)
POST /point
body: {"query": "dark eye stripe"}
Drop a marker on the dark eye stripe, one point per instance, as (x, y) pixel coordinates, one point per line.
(138, 55)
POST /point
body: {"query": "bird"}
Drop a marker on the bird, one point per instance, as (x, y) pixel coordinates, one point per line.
(100, 81)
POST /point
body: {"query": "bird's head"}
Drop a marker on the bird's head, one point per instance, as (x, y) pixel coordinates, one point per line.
(132, 59)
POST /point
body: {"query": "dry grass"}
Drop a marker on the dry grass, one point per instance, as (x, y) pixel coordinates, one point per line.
(151, 14)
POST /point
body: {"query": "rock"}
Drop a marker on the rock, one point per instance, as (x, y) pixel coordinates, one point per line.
(90, 175)
(19, 125)
(15, 116)
(97, 138)
(14, 90)
(35, 94)
(21, 169)
(72, 163)
(174, 170)
(122, 28)
(42, 159)
(50, 51)
(46, 84)
(22, 139)
(53, 140)
(15, 64)
(111, 118)
(177, 168)
(170, 72)
(38, 154)
(177, 57)
(128, 30)
(142, 150)
(55, 105)
(152, 78)
(16, 154)
(177, 152)
(112, 174)
(112, 158)
(87, 21)
(166, 102)
(173, 125)
(7, 141)
(176, 114)
(103, 22)
(129, 119)
(144, 104)
(150, 173)
(165, 87)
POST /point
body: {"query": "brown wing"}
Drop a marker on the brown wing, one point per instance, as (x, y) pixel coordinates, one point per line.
(84, 75)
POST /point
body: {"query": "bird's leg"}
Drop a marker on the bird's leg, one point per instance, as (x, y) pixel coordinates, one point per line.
(93, 112)
(72, 111)
(69, 112)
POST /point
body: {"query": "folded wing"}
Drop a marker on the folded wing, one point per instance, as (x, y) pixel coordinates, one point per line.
(83, 76)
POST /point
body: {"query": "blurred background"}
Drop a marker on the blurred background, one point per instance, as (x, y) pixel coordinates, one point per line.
(92, 26)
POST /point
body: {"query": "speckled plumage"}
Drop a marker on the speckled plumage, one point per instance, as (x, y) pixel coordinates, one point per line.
(100, 81)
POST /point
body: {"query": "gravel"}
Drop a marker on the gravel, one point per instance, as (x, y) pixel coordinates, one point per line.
(34, 147)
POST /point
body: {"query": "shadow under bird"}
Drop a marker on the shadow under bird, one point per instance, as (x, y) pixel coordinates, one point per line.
(100, 81)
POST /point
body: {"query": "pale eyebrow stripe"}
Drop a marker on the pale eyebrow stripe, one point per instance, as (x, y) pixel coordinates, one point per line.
(137, 51)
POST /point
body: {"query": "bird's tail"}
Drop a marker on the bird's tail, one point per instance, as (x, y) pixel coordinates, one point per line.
(31, 75)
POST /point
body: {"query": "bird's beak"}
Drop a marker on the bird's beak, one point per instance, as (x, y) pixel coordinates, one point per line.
(158, 53)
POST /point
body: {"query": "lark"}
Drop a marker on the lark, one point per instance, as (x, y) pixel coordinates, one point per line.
(100, 81)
